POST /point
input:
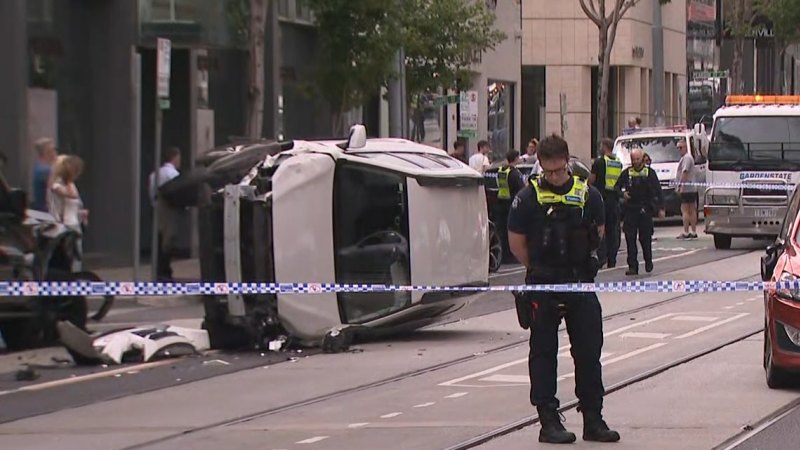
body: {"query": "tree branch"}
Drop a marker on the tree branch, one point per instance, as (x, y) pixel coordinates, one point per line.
(591, 14)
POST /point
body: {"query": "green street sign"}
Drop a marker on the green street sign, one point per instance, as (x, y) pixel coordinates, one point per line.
(163, 103)
(471, 134)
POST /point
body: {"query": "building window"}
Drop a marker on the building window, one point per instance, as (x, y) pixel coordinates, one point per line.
(283, 8)
(40, 11)
(168, 10)
(303, 11)
(500, 116)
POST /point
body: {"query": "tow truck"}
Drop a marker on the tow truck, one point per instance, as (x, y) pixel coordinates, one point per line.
(755, 140)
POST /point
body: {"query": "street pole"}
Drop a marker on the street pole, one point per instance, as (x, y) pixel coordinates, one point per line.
(658, 65)
(396, 100)
(163, 64)
(137, 165)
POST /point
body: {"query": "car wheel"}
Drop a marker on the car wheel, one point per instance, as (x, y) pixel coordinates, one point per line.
(777, 378)
(722, 242)
(495, 250)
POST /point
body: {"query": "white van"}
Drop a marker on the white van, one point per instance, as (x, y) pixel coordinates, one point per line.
(661, 144)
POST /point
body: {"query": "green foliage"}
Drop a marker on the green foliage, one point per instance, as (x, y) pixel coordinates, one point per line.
(238, 13)
(442, 39)
(785, 17)
(357, 43)
(738, 17)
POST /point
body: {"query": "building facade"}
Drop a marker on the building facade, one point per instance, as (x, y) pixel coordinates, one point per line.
(490, 109)
(560, 59)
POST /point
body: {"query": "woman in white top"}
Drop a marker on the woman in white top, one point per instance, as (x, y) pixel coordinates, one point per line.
(65, 200)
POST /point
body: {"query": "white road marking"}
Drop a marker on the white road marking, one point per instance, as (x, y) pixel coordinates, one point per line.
(457, 395)
(424, 405)
(729, 307)
(639, 335)
(500, 378)
(358, 425)
(525, 360)
(391, 415)
(312, 440)
(713, 325)
(694, 318)
(632, 354)
(740, 304)
(751, 299)
(618, 358)
(91, 376)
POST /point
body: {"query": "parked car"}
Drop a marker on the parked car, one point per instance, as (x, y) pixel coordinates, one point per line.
(782, 306)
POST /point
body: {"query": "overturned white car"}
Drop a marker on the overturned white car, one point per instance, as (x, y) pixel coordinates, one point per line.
(385, 211)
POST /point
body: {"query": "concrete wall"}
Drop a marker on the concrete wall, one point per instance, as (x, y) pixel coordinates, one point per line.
(559, 36)
(13, 89)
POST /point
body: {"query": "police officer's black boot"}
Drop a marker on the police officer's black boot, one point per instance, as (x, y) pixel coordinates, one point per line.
(553, 431)
(595, 428)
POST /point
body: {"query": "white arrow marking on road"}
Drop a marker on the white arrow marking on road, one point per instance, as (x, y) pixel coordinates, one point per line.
(638, 335)
(358, 425)
(713, 325)
(695, 318)
(424, 405)
(312, 440)
(391, 415)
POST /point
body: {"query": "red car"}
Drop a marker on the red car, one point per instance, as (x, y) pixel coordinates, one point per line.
(782, 306)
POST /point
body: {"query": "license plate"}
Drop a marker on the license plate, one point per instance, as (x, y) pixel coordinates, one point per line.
(766, 213)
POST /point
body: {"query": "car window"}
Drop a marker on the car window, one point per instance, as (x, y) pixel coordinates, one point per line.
(370, 240)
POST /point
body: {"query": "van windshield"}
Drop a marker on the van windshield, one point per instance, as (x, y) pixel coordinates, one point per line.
(755, 143)
(660, 149)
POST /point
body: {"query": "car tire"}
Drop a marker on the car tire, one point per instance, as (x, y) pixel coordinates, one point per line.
(21, 334)
(777, 378)
(722, 242)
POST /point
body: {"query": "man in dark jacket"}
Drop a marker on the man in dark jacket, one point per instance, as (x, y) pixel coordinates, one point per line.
(641, 195)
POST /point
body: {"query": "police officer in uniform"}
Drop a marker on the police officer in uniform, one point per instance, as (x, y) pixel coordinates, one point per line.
(641, 193)
(509, 182)
(605, 173)
(554, 229)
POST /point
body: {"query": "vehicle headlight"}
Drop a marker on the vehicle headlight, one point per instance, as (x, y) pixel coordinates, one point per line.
(793, 333)
(723, 200)
(790, 292)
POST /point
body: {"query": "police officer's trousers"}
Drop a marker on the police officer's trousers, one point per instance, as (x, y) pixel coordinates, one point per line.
(608, 252)
(585, 328)
(638, 222)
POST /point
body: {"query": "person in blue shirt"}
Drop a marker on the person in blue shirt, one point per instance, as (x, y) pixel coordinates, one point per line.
(45, 157)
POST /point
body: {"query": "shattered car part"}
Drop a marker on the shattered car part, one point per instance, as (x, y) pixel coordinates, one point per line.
(140, 344)
(374, 211)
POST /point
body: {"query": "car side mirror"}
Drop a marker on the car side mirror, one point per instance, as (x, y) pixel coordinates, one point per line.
(770, 260)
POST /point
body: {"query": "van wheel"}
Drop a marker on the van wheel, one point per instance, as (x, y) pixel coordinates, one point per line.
(722, 242)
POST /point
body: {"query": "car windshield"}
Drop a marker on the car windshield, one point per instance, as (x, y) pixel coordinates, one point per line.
(755, 143)
(660, 149)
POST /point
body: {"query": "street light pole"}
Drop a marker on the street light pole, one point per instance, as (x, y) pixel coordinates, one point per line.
(658, 65)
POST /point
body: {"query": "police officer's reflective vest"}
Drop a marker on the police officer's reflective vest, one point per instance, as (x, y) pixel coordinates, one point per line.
(639, 188)
(613, 171)
(561, 251)
(503, 191)
(639, 173)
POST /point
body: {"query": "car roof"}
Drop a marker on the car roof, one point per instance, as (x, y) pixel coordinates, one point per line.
(653, 134)
(394, 154)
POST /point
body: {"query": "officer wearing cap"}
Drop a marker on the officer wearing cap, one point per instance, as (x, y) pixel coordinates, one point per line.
(554, 228)
(605, 173)
(509, 182)
(641, 198)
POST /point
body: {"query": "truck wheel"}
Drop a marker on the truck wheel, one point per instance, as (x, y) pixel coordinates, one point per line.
(722, 241)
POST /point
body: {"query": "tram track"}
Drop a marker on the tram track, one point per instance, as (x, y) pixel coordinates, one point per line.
(643, 376)
(447, 364)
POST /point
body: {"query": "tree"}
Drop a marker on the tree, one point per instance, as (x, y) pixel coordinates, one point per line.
(248, 19)
(738, 16)
(785, 18)
(606, 24)
(441, 40)
(358, 41)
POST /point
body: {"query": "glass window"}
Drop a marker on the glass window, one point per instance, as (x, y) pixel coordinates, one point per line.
(427, 126)
(370, 240)
(303, 11)
(755, 143)
(169, 10)
(283, 8)
(500, 117)
(660, 149)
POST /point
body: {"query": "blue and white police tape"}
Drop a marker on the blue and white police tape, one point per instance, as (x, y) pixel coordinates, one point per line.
(150, 289)
(753, 186)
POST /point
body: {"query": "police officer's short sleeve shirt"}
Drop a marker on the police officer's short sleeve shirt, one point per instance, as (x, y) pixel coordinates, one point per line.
(522, 217)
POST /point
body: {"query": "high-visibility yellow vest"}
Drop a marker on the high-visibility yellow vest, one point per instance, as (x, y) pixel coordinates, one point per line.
(503, 192)
(575, 197)
(613, 171)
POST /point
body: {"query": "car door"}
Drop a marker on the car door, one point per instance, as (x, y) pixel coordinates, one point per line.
(784, 237)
